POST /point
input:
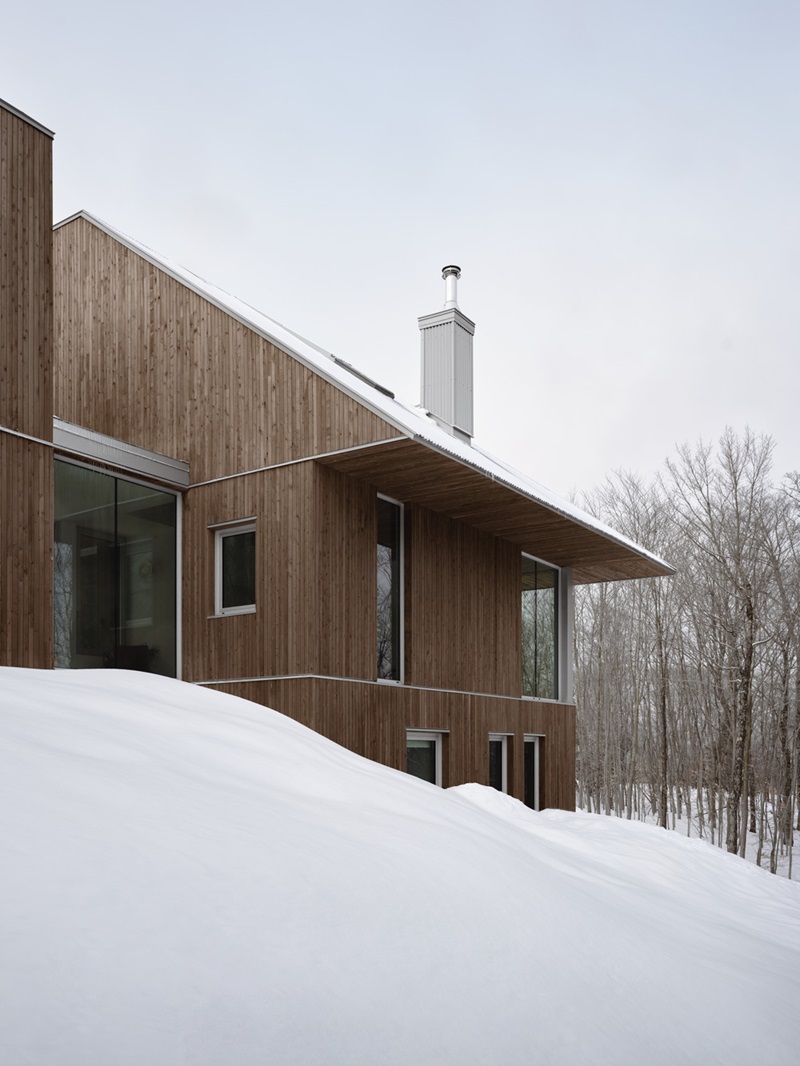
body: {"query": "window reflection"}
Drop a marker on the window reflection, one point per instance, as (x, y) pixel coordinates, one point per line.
(539, 629)
(389, 533)
(114, 561)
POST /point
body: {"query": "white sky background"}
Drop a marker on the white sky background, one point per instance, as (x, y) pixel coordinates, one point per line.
(618, 181)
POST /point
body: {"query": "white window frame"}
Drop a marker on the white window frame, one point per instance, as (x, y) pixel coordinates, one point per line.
(401, 637)
(503, 738)
(438, 737)
(221, 531)
(536, 740)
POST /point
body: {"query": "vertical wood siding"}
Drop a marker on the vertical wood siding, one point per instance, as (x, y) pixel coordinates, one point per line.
(280, 636)
(315, 577)
(26, 553)
(372, 719)
(26, 311)
(144, 359)
(345, 593)
(462, 606)
(26, 468)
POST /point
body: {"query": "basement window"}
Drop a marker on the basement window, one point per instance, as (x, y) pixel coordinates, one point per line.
(235, 568)
(498, 761)
(532, 759)
(424, 755)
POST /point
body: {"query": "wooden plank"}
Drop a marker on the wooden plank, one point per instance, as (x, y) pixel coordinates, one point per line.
(26, 468)
(463, 594)
(26, 316)
(26, 553)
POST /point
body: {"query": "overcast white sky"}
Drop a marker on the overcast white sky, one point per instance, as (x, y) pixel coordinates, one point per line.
(617, 180)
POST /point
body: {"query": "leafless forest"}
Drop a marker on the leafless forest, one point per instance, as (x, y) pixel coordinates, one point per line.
(688, 687)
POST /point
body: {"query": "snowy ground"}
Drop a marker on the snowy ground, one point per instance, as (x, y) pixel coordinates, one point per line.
(788, 862)
(190, 879)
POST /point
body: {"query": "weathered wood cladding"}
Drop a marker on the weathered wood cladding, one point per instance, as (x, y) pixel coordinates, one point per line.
(280, 636)
(315, 576)
(345, 593)
(26, 467)
(26, 277)
(316, 587)
(462, 606)
(372, 719)
(26, 553)
(143, 358)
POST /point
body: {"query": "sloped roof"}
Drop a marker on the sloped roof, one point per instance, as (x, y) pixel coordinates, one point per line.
(623, 558)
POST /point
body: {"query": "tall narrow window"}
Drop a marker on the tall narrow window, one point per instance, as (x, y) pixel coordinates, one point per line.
(235, 569)
(498, 761)
(390, 527)
(532, 764)
(539, 629)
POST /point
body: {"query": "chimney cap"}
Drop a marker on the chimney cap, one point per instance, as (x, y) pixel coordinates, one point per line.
(451, 274)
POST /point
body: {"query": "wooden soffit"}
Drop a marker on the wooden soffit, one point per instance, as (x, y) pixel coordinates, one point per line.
(416, 473)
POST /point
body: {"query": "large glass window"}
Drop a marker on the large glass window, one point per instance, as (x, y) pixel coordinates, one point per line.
(390, 526)
(539, 629)
(115, 572)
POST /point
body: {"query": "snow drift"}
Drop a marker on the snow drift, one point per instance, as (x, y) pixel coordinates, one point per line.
(189, 878)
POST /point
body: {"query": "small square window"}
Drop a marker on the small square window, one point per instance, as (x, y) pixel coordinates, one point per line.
(235, 569)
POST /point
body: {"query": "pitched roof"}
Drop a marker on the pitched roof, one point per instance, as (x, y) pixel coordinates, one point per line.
(623, 559)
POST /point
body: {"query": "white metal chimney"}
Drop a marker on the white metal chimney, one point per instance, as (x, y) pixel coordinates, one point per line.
(447, 361)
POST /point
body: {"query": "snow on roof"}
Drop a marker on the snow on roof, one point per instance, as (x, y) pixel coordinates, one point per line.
(412, 422)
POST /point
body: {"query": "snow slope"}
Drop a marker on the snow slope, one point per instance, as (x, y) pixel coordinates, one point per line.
(190, 879)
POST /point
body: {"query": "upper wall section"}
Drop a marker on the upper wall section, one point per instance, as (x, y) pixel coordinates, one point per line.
(26, 275)
(143, 358)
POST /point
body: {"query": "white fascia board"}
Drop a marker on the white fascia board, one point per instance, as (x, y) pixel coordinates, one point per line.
(117, 453)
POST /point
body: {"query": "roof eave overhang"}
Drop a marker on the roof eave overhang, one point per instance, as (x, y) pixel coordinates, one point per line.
(416, 471)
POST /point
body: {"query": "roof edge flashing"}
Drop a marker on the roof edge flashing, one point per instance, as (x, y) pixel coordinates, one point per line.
(26, 118)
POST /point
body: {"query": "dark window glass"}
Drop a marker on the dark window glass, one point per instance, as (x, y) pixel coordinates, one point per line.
(496, 764)
(114, 559)
(531, 774)
(389, 532)
(421, 759)
(238, 569)
(539, 629)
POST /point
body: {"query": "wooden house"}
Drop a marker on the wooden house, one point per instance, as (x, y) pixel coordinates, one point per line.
(221, 500)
